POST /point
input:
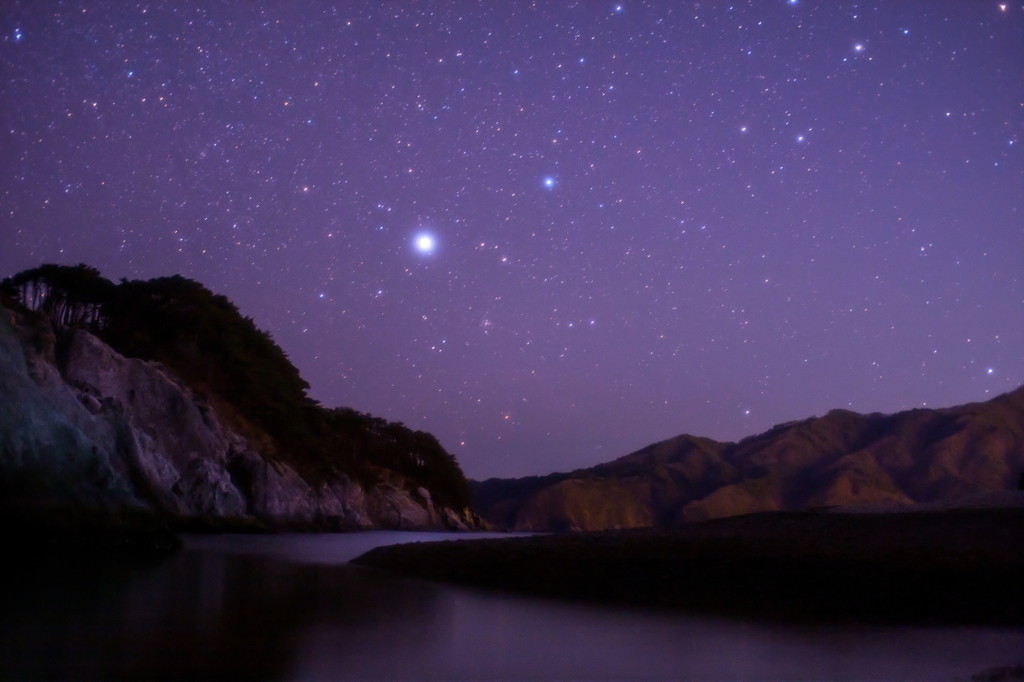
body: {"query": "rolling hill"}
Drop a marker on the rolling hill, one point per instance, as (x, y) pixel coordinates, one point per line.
(843, 459)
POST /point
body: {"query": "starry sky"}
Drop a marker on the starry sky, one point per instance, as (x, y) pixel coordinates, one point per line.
(550, 233)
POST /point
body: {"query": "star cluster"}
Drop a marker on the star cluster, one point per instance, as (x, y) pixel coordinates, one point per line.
(549, 233)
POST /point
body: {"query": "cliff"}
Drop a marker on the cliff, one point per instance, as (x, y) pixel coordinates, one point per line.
(87, 431)
(967, 455)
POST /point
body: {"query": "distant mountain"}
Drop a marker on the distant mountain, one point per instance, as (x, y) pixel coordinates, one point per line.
(843, 459)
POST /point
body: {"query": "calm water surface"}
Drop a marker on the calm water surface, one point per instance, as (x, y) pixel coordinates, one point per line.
(289, 606)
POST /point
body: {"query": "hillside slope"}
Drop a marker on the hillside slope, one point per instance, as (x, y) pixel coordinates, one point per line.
(843, 459)
(159, 398)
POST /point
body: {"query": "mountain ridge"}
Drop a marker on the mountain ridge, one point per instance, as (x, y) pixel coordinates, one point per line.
(842, 459)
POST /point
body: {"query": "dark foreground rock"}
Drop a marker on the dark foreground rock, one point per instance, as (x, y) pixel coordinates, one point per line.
(61, 531)
(963, 566)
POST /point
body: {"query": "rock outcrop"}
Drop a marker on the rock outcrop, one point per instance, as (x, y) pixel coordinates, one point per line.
(99, 430)
(967, 455)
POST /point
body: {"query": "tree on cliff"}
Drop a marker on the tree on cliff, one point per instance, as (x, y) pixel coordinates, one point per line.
(68, 296)
(204, 339)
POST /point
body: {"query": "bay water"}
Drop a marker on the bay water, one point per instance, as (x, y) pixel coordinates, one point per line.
(291, 607)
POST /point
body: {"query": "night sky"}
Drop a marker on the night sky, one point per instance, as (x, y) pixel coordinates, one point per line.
(548, 233)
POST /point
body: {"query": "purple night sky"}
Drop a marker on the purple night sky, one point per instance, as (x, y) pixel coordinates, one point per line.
(548, 233)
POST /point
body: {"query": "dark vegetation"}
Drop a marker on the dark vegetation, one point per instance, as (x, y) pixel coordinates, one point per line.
(961, 567)
(204, 340)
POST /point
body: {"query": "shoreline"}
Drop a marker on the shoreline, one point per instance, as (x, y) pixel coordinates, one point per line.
(931, 567)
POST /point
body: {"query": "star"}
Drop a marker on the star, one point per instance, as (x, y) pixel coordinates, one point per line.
(549, 182)
(425, 243)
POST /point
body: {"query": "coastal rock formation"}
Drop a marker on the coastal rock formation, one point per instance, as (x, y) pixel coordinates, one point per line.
(966, 455)
(97, 430)
(51, 447)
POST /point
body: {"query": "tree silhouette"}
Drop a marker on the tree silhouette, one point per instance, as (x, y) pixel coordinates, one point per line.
(69, 296)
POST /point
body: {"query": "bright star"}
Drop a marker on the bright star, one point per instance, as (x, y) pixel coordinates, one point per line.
(858, 47)
(425, 243)
(549, 182)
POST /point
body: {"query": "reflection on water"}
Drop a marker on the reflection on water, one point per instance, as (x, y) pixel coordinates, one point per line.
(287, 606)
(319, 548)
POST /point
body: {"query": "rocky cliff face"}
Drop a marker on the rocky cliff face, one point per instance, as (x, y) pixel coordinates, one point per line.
(103, 431)
(847, 460)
